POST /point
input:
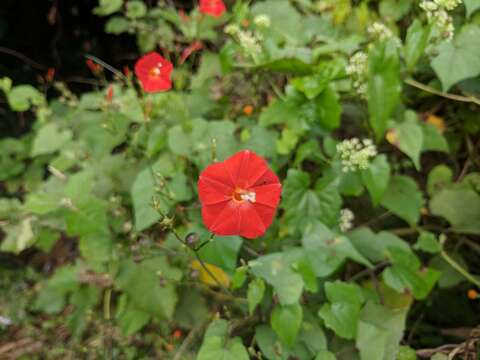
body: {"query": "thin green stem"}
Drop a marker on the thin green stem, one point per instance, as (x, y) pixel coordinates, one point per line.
(461, 270)
(107, 298)
(429, 89)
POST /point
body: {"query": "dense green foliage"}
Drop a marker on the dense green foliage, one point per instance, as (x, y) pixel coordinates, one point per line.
(369, 113)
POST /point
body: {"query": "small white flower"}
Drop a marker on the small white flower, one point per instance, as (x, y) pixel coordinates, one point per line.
(231, 29)
(437, 14)
(448, 4)
(262, 20)
(249, 41)
(379, 31)
(355, 154)
(346, 220)
(357, 68)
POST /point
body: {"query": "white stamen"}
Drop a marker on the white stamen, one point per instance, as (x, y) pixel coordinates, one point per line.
(250, 196)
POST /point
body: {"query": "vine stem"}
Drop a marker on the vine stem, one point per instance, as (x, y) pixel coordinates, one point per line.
(179, 238)
(461, 270)
(429, 89)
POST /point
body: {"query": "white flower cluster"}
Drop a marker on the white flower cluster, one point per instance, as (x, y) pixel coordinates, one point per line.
(250, 41)
(379, 31)
(232, 29)
(346, 220)
(262, 20)
(355, 154)
(357, 68)
(437, 13)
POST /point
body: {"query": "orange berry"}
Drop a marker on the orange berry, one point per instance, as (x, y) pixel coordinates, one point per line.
(472, 294)
(177, 334)
(245, 23)
(248, 110)
(437, 122)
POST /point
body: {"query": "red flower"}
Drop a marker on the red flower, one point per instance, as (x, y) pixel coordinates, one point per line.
(93, 66)
(153, 71)
(239, 196)
(50, 74)
(212, 7)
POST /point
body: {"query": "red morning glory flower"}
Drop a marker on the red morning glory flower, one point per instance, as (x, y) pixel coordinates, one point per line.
(239, 196)
(154, 71)
(214, 8)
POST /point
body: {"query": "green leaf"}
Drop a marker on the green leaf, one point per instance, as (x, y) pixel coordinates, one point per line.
(286, 321)
(471, 6)
(384, 85)
(376, 178)
(433, 139)
(222, 251)
(326, 251)
(304, 206)
(255, 292)
(343, 310)
(262, 141)
(49, 139)
(192, 308)
(410, 140)
(439, 178)
(449, 276)
(395, 9)
(460, 206)
(141, 282)
(406, 353)
(19, 236)
(405, 273)
(428, 242)
(87, 217)
(325, 355)
(375, 246)
(130, 318)
(277, 270)
(143, 193)
(52, 296)
(457, 60)
(403, 198)
(117, 25)
(311, 86)
(328, 109)
(21, 97)
(287, 142)
(269, 343)
(107, 7)
(379, 332)
(287, 24)
(290, 65)
(136, 9)
(217, 345)
(415, 43)
(83, 300)
(278, 112)
(239, 277)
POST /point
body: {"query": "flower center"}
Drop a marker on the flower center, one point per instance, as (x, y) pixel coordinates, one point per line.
(156, 71)
(241, 195)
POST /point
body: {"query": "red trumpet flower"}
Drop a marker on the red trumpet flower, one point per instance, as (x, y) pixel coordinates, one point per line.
(214, 8)
(154, 72)
(239, 196)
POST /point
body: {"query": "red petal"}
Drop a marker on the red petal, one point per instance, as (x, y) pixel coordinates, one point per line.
(265, 213)
(157, 84)
(268, 195)
(245, 167)
(251, 223)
